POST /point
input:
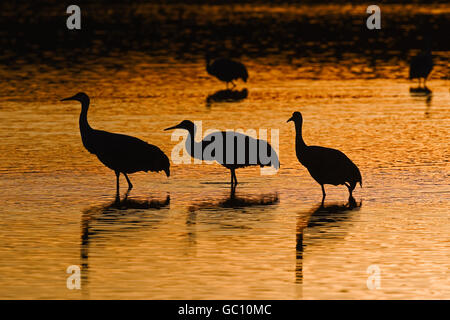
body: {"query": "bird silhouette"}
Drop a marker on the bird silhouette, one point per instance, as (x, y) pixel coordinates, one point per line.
(226, 70)
(121, 153)
(326, 165)
(231, 149)
(421, 66)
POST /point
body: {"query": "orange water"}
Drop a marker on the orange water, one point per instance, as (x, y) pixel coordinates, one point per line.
(55, 199)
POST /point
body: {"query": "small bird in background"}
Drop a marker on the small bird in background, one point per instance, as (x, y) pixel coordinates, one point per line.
(226, 70)
(121, 153)
(326, 165)
(421, 66)
(231, 149)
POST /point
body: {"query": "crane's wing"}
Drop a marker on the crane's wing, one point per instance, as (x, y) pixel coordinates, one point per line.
(128, 154)
(330, 165)
(234, 148)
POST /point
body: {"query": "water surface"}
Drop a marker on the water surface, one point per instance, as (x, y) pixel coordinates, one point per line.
(186, 237)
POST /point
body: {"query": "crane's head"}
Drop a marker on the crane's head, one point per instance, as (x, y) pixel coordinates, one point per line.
(80, 96)
(296, 117)
(185, 124)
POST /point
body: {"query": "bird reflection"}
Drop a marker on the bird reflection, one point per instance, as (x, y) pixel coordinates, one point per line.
(317, 217)
(113, 219)
(236, 202)
(227, 95)
(420, 91)
(424, 94)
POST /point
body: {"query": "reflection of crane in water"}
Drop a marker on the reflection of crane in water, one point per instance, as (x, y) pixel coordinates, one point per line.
(317, 217)
(121, 153)
(235, 212)
(227, 96)
(238, 202)
(111, 220)
(326, 165)
(420, 95)
(231, 149)
(226, 70)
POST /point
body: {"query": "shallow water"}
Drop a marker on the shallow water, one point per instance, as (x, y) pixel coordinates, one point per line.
(185, 237)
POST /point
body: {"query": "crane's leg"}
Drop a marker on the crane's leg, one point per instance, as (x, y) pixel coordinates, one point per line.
(233, 186)
(323, 193)
(350, 187)
(130, 185)
(232, 179)
(424, 82)
(117, 187)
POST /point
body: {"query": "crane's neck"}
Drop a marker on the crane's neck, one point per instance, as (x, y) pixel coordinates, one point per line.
(85, 128)
(208, 65)
(299, 143)
(193, 148)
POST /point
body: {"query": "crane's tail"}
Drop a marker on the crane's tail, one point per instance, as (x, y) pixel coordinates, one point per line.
(167, 171)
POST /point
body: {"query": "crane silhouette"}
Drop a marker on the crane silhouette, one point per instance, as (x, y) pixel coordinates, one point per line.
(231, 149)
(121, 153)
(326, 165)
(421, 66)
(226, 70)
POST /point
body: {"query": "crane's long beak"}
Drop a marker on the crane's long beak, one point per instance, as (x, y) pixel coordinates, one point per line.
(171, 128)
(70, 98)
(290, 119)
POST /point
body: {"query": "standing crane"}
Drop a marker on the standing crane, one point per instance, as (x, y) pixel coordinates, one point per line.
(326, 165)
(226, 70)
(120, 153)
(231, 149)
(421, 66)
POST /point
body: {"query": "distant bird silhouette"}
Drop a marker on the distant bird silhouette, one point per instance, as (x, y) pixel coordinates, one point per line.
(121, 153)
(421, 66)
(243, 150)
(226, 70)
(326, 166)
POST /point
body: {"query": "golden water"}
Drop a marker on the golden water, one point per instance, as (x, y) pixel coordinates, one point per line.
(56, 197)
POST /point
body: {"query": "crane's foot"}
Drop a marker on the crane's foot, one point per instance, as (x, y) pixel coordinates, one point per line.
(351, 202)
(130, 185)
(126, 194)
(232, 191)
(117, 200)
